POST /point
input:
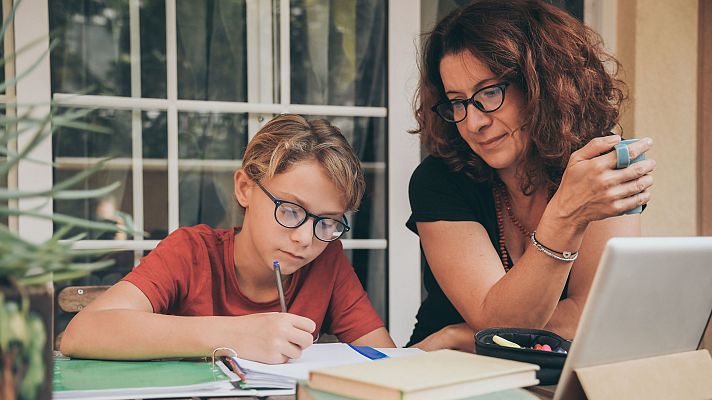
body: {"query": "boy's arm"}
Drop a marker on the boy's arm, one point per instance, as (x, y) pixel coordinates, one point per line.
(121, 325)
(376, 338)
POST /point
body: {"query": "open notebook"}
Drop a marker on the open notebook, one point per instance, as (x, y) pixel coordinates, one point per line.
(107, 380)
(318, 356)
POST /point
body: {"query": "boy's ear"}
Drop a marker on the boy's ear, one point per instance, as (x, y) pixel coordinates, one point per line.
(243, 186)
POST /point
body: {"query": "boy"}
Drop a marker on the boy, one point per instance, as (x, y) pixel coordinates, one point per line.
(203, 288)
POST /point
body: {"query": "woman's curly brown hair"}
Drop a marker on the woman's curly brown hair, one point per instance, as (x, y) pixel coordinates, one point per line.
(554, 59)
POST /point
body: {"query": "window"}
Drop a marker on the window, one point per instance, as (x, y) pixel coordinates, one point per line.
(180, 87)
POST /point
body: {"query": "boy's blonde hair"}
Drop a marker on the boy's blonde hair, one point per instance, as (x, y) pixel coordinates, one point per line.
(288, 139)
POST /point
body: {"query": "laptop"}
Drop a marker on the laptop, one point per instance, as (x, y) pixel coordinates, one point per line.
(650, 297)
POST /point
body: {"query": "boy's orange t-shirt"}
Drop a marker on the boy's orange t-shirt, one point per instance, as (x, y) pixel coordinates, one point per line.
(191, 273)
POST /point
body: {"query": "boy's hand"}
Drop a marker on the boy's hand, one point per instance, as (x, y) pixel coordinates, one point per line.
(271, 338)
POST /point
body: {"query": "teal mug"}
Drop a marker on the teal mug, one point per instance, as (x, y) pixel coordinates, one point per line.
(623, 161)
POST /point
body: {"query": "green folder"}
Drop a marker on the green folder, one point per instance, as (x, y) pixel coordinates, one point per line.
(90, 375)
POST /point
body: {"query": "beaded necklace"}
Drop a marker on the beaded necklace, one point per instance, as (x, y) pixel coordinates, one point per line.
(501, 197)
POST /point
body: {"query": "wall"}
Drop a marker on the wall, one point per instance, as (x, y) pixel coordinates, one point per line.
(705, 120)
(658, 45)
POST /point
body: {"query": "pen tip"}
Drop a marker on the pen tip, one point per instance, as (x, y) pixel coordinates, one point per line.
(275, 264)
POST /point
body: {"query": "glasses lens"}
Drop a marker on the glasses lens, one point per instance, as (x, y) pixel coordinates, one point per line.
(451, 111)
(290, 215)
(490, 98)
(328, 229)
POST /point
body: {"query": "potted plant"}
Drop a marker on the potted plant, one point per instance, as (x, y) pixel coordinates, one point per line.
(27, 269)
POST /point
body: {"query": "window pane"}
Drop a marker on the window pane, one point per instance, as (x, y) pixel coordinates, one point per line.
(212, 50)
(338, 52)
(210, 148)
(153, 48)
(368, 139)
(370, 267)
(77, 149)
(2, 53)
(93, 52)
(155, 174)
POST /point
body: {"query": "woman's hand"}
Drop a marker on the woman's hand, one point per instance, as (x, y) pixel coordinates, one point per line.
(456, 337)
(592, 189)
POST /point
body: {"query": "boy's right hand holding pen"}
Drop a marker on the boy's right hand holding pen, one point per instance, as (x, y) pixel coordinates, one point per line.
(271, 338)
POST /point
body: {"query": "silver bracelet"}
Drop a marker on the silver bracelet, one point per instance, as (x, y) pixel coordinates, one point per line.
(566, 256)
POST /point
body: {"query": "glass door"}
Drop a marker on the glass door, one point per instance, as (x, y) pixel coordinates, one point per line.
(180, 86)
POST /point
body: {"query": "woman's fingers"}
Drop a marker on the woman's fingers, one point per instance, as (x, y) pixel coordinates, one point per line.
(632, 187)
(592, 189)
(631, 202)
(634, 171)
(595, 148)
(635, 149)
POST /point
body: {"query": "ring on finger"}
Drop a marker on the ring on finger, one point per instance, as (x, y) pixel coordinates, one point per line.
(622, 155)
(640, 199)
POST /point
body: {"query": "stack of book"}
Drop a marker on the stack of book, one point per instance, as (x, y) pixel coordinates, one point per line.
(443, 374)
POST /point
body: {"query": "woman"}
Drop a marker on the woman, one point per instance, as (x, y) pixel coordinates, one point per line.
(520, 193)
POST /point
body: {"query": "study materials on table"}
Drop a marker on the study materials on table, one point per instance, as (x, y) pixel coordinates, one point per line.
(442, 374)
(320, 355)
(94, 379)
(304, 392)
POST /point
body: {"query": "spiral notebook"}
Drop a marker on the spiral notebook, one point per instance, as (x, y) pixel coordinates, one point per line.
(318, 356)
(107, 380)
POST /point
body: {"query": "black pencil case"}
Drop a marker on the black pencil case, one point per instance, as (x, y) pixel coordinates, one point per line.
(550, 362)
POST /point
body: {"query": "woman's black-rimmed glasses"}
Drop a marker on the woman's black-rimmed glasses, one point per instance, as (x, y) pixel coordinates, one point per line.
(488, 99)
(292, 215)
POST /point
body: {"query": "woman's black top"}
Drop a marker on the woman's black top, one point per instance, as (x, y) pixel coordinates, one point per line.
(438, 194)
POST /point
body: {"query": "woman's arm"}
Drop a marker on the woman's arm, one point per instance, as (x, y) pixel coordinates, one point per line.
(456, 337)
(121, 325)
(566, 316)
(472, 276)
(473, 279)
(568, 311)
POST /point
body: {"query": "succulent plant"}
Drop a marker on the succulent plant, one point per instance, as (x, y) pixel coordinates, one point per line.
(25, 264)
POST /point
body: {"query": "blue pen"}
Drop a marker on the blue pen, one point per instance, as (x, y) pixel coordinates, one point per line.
(280, 290)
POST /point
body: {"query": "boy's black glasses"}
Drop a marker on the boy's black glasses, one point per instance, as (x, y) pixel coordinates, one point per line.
(292, 215)
(488, 99)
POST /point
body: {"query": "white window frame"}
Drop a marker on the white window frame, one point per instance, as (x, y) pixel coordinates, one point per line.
(32, 21)
(33, 89)
(9, 97)
(404, 277)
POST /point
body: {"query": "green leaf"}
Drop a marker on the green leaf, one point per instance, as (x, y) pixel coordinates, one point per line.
(40, 134)
(65, 219)
(58, 194)
(17, 325)
(64, 275)
(4, 324)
